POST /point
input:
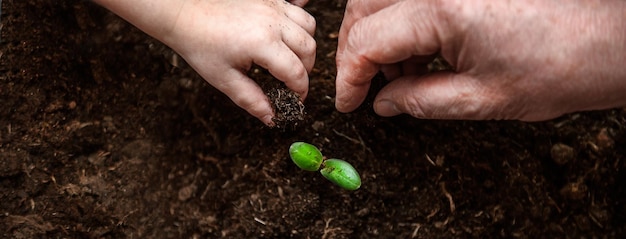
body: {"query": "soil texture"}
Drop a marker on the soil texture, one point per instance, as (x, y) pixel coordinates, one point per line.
(107, 133)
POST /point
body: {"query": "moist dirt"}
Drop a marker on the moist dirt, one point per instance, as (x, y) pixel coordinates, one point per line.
(107, 133)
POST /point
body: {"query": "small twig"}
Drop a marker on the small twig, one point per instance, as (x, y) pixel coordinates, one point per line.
(328, 230)
(361, 140)
(206, 190)
(260, 221)
(353, 140)
(123, 220)
(430, 160)
(432, 213)
(277, 100)
(447, 194)
(417, 229)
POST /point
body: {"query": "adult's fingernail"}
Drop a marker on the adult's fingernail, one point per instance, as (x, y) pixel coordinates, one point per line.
(386, 108)
(342, 106)
(339, 105)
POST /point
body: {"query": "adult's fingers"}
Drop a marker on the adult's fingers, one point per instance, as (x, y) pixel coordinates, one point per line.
(442, 95)
(285, 65)
(353, 81)
(357, 9)
(396, 33)
(390, 35)
(449, 95)
(416, 65)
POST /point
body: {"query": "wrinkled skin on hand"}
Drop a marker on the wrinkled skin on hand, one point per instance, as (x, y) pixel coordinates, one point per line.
(221, 39)
(528, 60)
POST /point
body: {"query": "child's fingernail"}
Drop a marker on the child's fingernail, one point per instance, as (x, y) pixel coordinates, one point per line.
(267, 120)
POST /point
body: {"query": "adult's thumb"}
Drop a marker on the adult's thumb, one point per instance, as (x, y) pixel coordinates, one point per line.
(442, 95)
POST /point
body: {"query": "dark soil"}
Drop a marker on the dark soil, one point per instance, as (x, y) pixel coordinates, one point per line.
(106, 133)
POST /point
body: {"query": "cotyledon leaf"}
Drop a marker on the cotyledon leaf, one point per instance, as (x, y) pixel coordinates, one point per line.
(306, 156)
(341, 173)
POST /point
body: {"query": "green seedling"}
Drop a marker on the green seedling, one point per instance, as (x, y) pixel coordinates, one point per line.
(308, 157)
(341, 173)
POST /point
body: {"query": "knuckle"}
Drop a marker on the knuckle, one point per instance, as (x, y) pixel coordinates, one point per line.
(298, 73)
(310, 48)
(412, 106)
(251, 104)
(311, 21)
(447, 7)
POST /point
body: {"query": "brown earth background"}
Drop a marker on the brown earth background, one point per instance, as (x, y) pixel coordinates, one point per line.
(107, 133)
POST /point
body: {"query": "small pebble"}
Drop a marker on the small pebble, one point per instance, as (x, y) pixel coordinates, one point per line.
(604, 140)
(187, 192)
(574, 191)
(562, 153)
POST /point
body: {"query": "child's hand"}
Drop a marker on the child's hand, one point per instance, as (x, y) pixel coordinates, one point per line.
(299, 3)
(221, 40)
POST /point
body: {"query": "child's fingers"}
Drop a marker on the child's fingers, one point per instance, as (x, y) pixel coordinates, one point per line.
(303, 45)
(301, 17)
(299, 3)
(245, 93)
(285, 65)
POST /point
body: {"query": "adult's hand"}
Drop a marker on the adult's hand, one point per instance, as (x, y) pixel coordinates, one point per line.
(528, 60)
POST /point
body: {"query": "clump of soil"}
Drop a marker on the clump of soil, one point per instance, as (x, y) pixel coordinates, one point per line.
(288, 108)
